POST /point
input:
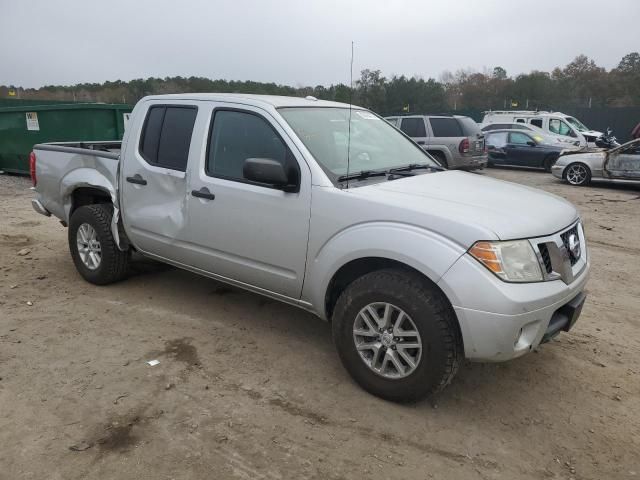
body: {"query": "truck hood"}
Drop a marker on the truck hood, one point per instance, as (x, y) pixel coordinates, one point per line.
(470, 205)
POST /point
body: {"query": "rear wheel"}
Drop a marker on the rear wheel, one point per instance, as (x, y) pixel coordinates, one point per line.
(396, 335)
(93, 248)
(577, 174)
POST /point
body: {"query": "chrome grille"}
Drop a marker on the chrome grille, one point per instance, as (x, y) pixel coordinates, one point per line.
(560, 253)
(573, 257)
(546, 258)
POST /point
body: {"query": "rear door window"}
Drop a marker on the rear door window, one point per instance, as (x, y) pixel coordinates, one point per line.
(414, 127)
(445, 127)
(166, 136)
(497, 140)
(536, 122)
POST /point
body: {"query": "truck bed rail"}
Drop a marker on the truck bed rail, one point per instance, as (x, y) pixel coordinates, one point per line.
(105, 149)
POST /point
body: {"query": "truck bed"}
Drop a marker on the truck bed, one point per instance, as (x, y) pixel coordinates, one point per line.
(64, 167)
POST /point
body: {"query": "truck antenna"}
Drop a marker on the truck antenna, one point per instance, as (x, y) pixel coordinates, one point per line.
(350, 101)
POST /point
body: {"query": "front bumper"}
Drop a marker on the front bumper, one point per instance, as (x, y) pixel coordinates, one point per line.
(558, 171)
(500, 321)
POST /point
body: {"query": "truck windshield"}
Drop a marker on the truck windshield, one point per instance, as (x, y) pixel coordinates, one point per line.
(577, 124)
(375, 145)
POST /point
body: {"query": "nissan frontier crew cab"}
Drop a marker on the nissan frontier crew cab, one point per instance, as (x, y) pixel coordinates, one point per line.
(329, 208)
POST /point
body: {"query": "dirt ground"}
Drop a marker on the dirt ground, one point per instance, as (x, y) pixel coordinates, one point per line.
(249, 388)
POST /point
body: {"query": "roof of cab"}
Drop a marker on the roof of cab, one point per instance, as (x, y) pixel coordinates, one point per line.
(251, 99)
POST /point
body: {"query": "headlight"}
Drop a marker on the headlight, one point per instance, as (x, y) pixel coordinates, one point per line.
(512, 261)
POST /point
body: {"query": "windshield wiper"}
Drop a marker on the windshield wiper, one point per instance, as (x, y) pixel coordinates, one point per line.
(362, 175)
(416, 166)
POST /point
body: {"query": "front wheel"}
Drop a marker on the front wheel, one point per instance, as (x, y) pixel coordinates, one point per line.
(577, 174)
(548, 163)
(396, 335)
(93, 248)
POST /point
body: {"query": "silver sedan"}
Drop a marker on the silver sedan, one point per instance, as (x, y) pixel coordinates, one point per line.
(580, 167)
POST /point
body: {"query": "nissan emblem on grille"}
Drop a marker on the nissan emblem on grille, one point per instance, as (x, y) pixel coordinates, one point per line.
(574, 245)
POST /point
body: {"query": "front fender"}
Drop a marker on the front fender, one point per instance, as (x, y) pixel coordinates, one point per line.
(424, 250)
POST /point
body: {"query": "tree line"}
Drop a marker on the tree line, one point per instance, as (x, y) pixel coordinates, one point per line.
(581, 83)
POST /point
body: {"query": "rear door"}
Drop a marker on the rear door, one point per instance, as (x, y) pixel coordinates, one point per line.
(496, 145)
(624, 163)
(415, 128)
(447, 132)
(153, 182)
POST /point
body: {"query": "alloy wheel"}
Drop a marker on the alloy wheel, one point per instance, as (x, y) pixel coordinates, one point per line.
(577, 174)
(387, 340)
(89, 248)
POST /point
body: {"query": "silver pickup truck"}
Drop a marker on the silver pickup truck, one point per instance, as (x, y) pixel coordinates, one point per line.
(329, 208)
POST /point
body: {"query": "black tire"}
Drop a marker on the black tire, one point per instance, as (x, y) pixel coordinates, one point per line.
(587, 177)
(549, 162)
(433, 318)
(440, 158)
(114, 263)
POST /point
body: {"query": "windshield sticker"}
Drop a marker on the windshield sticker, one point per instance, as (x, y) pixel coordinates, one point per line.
(367, 115)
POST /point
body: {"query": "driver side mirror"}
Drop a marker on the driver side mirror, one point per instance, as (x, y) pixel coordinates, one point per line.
(531, 143)
(269, 172)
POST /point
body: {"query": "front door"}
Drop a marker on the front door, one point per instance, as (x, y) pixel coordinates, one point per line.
(519, 151)
(624, 163)
(241, 230)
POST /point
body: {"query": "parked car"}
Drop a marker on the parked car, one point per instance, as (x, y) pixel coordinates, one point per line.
(520, 148)
(617, 164)
(453, 140)
(415, 266)
(566, 127)
(541, 136)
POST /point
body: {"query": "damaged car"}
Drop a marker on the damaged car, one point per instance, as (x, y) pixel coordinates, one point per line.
(617, 164)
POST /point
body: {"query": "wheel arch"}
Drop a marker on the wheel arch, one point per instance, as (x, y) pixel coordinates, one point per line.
(85, 186)
(437, 151)
(356, 268)
(578, 162)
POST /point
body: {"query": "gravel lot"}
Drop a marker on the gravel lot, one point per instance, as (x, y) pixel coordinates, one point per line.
(250, 388)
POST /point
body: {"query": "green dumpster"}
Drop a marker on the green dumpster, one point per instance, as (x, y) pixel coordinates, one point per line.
(23, 126)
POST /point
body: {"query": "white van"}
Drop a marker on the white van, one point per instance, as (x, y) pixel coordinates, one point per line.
(565, 128)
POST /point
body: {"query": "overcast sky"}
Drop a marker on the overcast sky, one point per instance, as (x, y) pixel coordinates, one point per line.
(302, 42)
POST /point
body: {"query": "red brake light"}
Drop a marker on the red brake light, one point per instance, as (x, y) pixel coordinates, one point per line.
(32, 168)
(464, 146)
